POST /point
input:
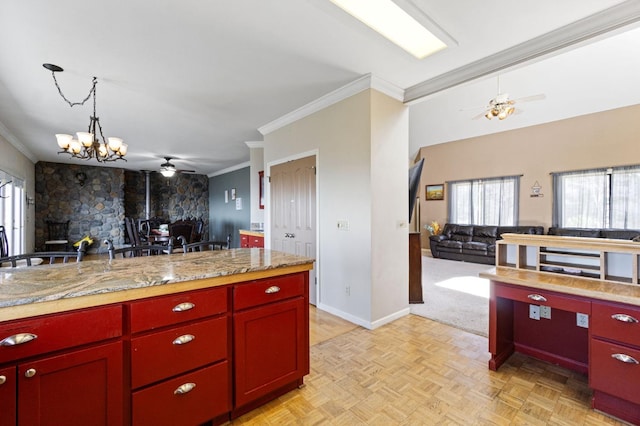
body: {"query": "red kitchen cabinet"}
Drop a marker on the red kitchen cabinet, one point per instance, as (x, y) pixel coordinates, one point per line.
(271, 339)
(251, 240)
(58, 370)
(83, 387)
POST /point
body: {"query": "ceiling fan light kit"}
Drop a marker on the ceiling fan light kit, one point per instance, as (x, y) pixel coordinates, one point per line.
(87, 145)
(167, 169)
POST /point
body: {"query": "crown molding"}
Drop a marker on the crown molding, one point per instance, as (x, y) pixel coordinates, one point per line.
(230, 169)
(255, 144)
(598, 24)
(6, 134)
(365, 82)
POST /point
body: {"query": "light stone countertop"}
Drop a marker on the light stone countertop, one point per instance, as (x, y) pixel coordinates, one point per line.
(596, 289)
(45, 289)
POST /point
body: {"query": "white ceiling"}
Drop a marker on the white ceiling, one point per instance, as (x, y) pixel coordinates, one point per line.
(195, 80)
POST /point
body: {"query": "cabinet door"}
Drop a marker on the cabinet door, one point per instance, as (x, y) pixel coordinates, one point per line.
(270, 348)
(8, 396)
(83, 387)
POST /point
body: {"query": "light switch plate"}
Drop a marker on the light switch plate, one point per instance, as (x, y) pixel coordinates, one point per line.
(582, 320)
(534, 312)
(545, 312)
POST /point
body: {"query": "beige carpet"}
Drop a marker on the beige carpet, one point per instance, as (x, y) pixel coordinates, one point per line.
(454, 294)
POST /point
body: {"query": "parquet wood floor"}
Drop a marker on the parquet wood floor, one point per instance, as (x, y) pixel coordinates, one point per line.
(415, 371)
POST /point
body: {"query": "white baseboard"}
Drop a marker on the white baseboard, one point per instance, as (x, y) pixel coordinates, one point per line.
(361, 322)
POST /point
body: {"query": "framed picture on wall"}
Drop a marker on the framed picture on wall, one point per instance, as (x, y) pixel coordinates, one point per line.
(434, 192)
(233, 193)
(261, 200)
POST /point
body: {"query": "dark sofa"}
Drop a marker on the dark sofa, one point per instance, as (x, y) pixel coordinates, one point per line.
(473, 243)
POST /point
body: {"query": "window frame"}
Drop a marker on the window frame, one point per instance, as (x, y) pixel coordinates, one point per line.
(477, 191)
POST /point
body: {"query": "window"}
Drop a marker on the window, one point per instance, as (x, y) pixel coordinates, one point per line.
(491, 201)
(598, 198)
(12, 204)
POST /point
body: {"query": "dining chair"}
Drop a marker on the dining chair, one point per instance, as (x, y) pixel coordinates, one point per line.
(181, 228)
(37, 258)
(57, 235)
(137, 251)
(135, 239)
(4, 243)
(204, 245)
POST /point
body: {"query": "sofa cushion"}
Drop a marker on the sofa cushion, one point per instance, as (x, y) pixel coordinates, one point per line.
(485, 234)
(474, 246)
(450, 246)
(462, 233)
(575, 232)
(619, 234)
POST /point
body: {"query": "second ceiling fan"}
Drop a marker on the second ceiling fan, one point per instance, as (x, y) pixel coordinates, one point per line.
(502, 107)
(168, 169)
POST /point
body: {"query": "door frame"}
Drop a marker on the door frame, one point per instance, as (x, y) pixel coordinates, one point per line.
(267, 212)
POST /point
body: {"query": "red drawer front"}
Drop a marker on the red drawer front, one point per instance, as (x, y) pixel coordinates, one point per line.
(256, 242)
(158, 312)
(160, 405)
(553, 300)
(607, 374)
(59, 331)
(626, 328)
(155, 356)
(8, 396)
(260, 292)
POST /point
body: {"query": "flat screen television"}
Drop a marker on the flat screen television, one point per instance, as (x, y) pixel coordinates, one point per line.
(415, 172)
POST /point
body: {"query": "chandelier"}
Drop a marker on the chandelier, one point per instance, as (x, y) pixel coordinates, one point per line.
(88, 145)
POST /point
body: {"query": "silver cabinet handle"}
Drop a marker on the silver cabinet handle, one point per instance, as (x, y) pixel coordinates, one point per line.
(18, 339)
(186, 388)
(184, 339)
(624, 318)
(625, 358)
(186, 306)
(30, 372)
(3, 380)
(272, 289)
(537, 297)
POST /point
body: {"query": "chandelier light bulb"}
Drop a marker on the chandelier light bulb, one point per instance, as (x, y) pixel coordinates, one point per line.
(75, 146)
(85, 138)
(114, 144)
(123, 149)
(63, 140)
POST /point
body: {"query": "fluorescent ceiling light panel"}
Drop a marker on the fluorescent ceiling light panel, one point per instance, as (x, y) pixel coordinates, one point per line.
(394, 23)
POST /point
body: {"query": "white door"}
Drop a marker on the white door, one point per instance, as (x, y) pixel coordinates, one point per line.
(293, 211)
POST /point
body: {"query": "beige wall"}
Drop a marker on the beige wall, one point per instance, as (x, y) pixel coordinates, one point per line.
(361, 146)
(17, 164)
(596, 140)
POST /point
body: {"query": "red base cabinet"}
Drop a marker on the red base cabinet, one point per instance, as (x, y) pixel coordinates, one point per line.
(271, 339)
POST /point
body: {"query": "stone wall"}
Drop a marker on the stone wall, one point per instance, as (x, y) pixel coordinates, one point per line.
(98, 206)
(91, 198)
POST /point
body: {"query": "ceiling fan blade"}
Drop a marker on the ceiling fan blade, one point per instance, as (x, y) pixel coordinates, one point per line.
(476, 117)
(185, 171)
(538, 97)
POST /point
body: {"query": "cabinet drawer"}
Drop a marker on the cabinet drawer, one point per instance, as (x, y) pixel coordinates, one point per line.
(156, 312)
(59, 331)
(626, 328)
(8, 402)
(162, 404)
(159, 355)
(549, 298)
(260, 292)
(610, 375)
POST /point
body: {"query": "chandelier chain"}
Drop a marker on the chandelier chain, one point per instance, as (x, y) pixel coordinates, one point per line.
(72, 104)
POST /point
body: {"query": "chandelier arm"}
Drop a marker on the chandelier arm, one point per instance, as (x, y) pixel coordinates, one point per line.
(72, 104)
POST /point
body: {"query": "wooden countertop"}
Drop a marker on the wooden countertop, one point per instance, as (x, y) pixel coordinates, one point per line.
(46, 289)
(252, 233)
(603, 290)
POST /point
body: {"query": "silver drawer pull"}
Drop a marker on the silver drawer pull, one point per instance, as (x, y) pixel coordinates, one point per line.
(186, 306)
(537, 297)
(184, 339)
(30, 372)
(625, 358)
(18, 339)
(272, 289)
(624, 318)
(186, 388)
(3, 380)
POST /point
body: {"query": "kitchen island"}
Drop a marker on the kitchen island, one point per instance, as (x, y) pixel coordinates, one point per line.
(176, 339)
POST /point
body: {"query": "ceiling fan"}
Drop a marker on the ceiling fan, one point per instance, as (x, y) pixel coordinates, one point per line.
(168, 169)
(502, 107)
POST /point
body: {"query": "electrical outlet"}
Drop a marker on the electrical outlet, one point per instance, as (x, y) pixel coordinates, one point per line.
(534, 312)
(347, 290)
(545, 312)
(343, 225)
(582, 320)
